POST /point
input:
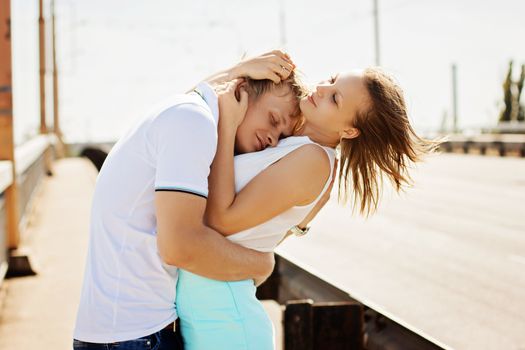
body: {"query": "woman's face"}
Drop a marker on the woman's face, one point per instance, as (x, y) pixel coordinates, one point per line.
(332, 106)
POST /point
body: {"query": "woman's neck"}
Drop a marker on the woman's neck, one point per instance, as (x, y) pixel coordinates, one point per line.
(324, 138)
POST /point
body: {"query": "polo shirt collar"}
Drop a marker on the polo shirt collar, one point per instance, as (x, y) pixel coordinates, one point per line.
(210, 97)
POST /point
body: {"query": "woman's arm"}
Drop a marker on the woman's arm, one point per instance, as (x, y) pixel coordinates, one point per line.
(275, 65)
(318, 206)
(296, 179)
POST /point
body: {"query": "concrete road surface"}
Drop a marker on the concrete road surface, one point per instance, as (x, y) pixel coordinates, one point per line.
(446, 259)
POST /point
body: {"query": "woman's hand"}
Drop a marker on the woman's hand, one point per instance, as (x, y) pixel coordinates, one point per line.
(232, 105)
(275, 65)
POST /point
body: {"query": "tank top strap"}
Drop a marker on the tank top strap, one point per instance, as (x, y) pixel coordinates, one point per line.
(330, 152)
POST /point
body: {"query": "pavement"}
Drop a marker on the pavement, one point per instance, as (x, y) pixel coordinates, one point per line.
(446, 259)
(38, 312)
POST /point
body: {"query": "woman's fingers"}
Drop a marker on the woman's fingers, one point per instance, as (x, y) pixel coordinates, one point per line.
(275, 65)
(273, 76)
(282, 64)
(284, 56)
(282, 71)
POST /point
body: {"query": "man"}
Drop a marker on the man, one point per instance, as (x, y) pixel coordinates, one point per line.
(148, 207)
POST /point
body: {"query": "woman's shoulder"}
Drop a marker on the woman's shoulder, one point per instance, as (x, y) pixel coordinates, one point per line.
(306, 147)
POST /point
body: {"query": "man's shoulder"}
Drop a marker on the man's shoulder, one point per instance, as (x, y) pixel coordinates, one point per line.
(180, 104)
(187, 110)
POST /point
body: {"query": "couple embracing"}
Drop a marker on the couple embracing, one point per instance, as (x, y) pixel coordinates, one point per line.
(192, 201)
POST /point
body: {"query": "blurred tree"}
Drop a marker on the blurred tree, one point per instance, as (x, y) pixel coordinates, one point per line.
(519, 85)
(507, 97)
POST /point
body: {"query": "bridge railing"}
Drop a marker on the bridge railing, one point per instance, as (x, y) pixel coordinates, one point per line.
(6, 179)
(32, 163)
(500, 144)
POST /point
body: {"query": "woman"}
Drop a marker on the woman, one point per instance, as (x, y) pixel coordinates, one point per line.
(256, 197)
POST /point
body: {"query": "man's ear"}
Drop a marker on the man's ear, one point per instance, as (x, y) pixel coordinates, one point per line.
(351, 133)
(243, 84)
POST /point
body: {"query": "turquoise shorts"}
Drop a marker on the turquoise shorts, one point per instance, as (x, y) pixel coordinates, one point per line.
(221, 315)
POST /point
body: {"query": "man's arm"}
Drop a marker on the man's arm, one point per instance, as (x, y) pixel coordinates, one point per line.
(182, 139)
(184, 241)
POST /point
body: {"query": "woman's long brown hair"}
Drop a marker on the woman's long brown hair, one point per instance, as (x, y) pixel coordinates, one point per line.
(386, 146)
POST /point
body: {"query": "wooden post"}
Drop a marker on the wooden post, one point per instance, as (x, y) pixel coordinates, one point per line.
(327, 326)
(42, 56)
(298, 325)
(338, 325)
(6, 122)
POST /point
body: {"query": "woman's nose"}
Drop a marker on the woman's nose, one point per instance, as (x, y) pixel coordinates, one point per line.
(320, 90)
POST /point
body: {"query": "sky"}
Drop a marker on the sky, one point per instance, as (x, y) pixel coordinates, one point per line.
(117, 58)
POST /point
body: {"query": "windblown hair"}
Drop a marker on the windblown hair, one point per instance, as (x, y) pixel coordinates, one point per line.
(386, 146)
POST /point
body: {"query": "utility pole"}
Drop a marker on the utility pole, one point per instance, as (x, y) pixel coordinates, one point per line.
(376, 32)
(454, 98)
(282, 25)
(42, 56)
(7, 146)
(56, 122)
(61, 149)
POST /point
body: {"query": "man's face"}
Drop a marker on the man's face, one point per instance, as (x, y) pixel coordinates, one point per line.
(267, 120)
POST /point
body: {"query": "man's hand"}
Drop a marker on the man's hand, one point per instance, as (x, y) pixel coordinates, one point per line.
(275, 65)
(270, 261)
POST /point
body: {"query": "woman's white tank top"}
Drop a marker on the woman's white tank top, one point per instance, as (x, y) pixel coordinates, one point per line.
(267, 235)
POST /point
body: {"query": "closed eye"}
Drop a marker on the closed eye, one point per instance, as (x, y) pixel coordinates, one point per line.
(333, 79)
(273, 120)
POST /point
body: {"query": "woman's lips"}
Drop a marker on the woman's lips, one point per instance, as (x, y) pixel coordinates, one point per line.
(311, 99)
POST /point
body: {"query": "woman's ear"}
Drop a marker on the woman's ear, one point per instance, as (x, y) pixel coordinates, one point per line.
(351, 133)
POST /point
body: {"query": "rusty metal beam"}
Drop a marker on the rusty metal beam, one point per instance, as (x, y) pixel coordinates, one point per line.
(7, 146)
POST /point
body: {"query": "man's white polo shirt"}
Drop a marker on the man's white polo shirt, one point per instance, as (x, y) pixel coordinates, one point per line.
(128, 292)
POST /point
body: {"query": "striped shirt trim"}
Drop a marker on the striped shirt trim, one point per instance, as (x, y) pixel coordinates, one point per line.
(184, 190)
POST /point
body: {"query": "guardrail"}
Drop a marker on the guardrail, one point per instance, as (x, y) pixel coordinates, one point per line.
(31, 165)
(32, 162)
(6, 179)
(501, 144)
(317, 315)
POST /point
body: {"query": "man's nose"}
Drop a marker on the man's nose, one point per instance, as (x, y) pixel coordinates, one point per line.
(272, 139)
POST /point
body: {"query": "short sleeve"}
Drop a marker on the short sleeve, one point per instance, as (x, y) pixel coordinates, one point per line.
(184, 139)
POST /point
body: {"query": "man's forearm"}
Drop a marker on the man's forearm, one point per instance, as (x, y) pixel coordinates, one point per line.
(211, 255)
